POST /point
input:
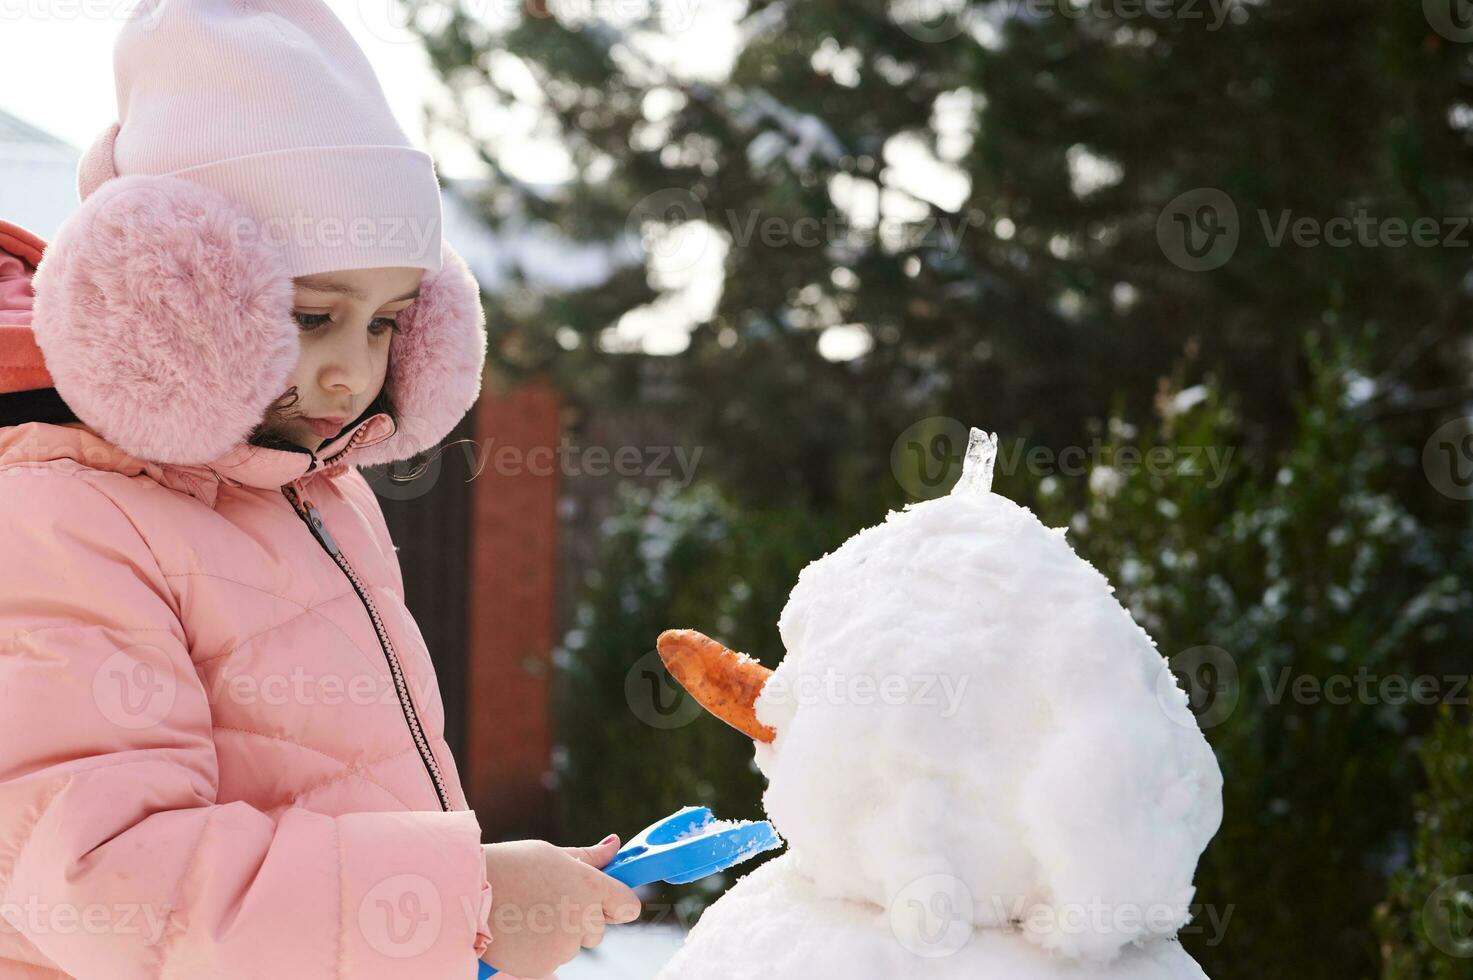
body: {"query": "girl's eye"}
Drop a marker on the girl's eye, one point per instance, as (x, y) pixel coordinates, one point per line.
(311, 321)
(378, 326)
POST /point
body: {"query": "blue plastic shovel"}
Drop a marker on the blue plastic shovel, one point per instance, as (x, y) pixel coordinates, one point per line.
(686, 846)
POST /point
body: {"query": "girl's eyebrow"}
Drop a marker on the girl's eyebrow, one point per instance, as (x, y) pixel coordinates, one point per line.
(330, 285)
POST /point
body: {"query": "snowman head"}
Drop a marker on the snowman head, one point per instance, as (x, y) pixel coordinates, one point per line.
(965, 706)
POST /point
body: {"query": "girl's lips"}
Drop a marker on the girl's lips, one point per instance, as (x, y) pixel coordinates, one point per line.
(326, 427)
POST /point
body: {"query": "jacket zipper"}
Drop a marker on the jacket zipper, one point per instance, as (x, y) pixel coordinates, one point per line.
(309, 513)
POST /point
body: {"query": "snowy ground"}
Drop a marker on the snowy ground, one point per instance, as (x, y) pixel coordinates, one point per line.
(632, 952)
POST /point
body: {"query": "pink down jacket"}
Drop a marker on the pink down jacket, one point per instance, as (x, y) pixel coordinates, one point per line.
(221, 735)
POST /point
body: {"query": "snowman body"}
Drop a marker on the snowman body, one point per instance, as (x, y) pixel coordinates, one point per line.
(982, 766)
(775, 924)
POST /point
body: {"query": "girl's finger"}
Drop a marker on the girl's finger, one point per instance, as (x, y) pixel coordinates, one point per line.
(599, 854)
(621, 903)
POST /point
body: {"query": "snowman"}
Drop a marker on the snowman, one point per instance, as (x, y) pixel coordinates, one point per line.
(981, 764)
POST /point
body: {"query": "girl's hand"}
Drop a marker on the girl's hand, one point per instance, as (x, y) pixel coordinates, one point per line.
(549, 902)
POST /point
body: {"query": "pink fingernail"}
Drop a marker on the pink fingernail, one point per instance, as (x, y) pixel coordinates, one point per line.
(608, 840)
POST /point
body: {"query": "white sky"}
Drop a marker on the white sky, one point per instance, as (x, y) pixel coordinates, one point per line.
(56, 69)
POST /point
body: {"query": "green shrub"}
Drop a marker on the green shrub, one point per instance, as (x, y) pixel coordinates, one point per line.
(1426, 924)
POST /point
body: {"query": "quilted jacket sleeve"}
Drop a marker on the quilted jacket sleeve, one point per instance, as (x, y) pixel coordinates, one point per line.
(115, 858)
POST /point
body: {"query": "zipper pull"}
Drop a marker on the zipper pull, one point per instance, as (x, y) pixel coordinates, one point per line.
(319, 528)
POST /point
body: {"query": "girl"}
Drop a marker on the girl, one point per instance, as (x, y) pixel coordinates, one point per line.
(221, 736)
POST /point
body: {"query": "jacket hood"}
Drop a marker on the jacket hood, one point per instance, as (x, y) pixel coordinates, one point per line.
(161, 315)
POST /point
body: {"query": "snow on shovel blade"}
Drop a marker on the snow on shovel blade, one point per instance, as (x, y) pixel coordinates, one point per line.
(689, 845)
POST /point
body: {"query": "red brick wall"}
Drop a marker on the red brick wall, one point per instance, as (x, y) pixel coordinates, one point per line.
(512, 619)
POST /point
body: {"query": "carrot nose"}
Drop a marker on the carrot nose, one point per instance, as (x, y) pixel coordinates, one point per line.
(725, 682)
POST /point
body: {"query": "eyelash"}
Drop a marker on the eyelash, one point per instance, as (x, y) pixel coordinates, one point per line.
(320, 318)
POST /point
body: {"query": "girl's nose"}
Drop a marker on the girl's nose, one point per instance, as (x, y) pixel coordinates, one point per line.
(349, 366)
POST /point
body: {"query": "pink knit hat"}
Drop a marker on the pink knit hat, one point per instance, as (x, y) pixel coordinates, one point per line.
(273, 104)
(253, 146)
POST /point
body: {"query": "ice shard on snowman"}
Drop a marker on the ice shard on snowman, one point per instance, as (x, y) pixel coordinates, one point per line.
(981, 764)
